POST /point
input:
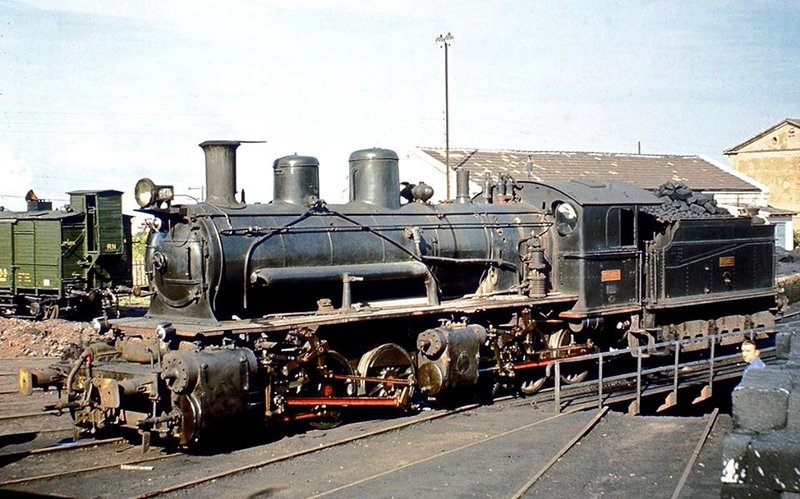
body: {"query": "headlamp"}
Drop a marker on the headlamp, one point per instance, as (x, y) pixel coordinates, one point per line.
(149, 194)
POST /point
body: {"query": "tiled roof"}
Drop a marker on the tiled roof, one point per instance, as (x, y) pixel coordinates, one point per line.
(647, 171)
(777, 211)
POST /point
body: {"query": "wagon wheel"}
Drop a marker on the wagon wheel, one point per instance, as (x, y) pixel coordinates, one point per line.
(571, 373)
(36, 310)
(51, 311)
(110, 304)
(386, 362)
(330, 387)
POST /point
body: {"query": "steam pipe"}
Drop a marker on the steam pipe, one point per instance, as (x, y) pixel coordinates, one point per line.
(86, 355)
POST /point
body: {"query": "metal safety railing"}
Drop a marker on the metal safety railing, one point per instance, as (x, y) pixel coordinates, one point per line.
(676, 347)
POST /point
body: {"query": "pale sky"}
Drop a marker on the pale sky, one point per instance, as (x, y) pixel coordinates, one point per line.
(97, 94)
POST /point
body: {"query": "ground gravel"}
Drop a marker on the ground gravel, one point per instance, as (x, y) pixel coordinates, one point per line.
(24, 338)
(788, 262)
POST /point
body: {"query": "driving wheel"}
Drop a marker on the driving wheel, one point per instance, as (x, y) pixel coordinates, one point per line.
(571, 372)
(329, 386)
(387, 362)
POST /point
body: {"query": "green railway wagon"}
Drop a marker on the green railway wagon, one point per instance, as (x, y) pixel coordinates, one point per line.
(74, 260)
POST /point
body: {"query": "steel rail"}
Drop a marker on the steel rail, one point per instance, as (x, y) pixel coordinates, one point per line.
(712, 419)
(23, 415)
(787, 316)
(78, 471)
(445, 453)
(579, 402)
(293, 455)
(675, 345)
(623, 389)
(22, 433)
(87, 470)
(30, 400)
(582, 433)
(58, 448)
(58, 474)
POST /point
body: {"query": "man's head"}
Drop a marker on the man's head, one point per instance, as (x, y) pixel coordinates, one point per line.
(749, 351)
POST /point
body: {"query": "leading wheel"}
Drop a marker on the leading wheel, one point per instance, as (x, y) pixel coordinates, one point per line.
(383, 366)
(187, 430)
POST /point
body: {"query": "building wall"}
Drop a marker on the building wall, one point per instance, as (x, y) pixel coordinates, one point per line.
(774, 160)
(784, 231)
(416, 166)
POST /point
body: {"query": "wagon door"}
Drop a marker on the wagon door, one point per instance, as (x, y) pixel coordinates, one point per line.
(24, 255)
(37, 253)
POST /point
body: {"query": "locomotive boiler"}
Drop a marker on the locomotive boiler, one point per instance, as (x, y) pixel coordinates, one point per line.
(300, 310)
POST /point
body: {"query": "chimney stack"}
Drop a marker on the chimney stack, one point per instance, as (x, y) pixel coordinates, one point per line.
(221, 173)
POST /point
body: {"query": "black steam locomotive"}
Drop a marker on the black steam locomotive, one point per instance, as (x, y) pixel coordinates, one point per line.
(299, 310)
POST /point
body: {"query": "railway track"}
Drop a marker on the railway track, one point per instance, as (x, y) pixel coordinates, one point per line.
(581, 433)
(94, 466)
(444, 453)
(117, 455)
(439, 451)
(160, 455)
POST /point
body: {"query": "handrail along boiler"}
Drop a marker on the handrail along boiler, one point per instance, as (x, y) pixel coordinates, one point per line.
(299, 310)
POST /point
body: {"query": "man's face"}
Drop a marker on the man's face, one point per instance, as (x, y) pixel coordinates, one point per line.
(748, 352)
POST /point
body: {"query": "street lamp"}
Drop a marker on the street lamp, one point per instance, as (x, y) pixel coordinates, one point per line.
(445, 41)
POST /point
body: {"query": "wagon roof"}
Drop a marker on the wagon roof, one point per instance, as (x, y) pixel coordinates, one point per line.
(101, 192)
(9, 216)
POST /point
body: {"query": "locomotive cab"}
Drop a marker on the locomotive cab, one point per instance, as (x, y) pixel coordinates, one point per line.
(595, 240)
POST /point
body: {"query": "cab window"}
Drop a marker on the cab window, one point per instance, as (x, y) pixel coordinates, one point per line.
(566, 219)
(620, 227)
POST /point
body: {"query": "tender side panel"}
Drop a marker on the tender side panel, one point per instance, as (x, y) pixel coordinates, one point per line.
(708, 257)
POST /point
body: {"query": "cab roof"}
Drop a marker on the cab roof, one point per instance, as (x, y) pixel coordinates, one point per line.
(592, 192)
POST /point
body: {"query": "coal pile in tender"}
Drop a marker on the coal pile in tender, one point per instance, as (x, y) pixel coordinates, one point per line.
(679, 201)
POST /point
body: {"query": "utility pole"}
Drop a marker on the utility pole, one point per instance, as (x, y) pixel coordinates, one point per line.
(445, 41)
